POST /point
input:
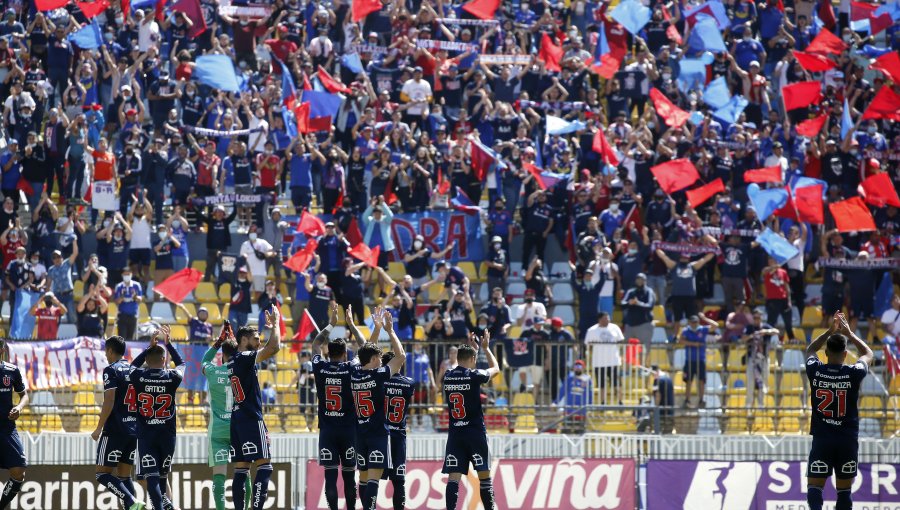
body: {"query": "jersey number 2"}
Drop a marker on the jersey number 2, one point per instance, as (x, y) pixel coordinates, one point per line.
(457, 406)
(828, 396)
(163, 402)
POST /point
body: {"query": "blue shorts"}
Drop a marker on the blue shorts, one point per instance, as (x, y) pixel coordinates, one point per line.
(466, 446)
(835, 454)
(337, 447)
(115, 449)
(398, 455)
(373, 451)
(12, 455)
(249, 440)
(694, 369)
(139, 256)
(154, 455)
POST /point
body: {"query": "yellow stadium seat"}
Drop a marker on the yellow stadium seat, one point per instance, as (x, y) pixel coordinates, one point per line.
(735, 357)
(435, 293)
(660, 358)
(286, 313)
(179, 332)
(894, 387)
(499, 382)
(525, 424)
(791, 383)
(181, 317)
(51, 423)
(812, 317)
(286, 359)
(523, 403)
(514, 332)
(871, 407)
(714, 359)
(294, 423)
(89, 422)
(419, 334)
(225, 293)
(266, 376)
(283, 290)
(396, 270)
(143, 313)
(199, 265)
(468, 268)
(284, 378)
(290, 398)
(659, 314)
(790, 425)
(112, 310)
(215, 317)
(225, 308)
(78, 291)
(205, 291)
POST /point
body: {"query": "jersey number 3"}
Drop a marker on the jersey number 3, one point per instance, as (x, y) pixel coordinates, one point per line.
(828, 397)
(162, 404)
(457, 406)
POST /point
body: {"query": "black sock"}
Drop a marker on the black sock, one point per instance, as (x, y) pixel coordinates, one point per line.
(164, 490)
(362, 494)
(399, 497)
(349, 477)
(261, 486)
(844, 501)
(238, 488)
(155, 491)
(452, 494)
(331, 492)
(10, 490)
(487, 493)
(371, 494)
(115, 486)
(128, 483)
(814, 497)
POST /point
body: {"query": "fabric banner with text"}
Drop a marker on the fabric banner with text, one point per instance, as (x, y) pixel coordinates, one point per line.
(439, 228)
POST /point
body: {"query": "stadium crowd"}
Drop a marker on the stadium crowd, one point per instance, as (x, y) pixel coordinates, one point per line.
(581, 133)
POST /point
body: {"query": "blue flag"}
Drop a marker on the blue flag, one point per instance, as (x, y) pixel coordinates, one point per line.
(352, 62)
(560, 126)
(692, 74)
(217, 71)
(714, 9)
(706, 36)
(884, 294)
(716, 94)
(731, 111)
(322, 104)
(538, 153)
(87, 37)
(798, 181)
(777, 246)
(766, 201)
(632, 15)
(22, 322)
(874, 51)
(846, 121)
(892, 8)
(602, 44)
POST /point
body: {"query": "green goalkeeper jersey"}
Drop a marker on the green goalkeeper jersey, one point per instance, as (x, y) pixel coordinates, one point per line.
(220, 397)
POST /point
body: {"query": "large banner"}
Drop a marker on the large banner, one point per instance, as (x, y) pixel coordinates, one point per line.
(533, 484)
(75, 487)
(776, 485)
(439, 228)
(62, 363)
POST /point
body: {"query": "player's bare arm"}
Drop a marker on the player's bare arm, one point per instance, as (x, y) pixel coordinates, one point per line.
(817, 344)
(351, 326)
(274, 344)
(399, 354)
(322, 338)
(865, 352)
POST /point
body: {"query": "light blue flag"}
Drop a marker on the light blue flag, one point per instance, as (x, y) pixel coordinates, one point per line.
(766, 201)
(799, 181)
(731, 111)
(692, 74)
(706, 36)
(874, 51)
(861, 25)
(776, 246)
(322, 104)
(22, 321)
(632, 15)
(217, 71)
(87, 37)
(846, 121)
(602, 43)
(559, 126)
(717, 94)
(713, 8)
(696, 118)
(538, 153)
(892, 8)
(352, 62)
(884, 294)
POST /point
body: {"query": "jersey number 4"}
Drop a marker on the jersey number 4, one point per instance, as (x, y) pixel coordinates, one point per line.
(457, 406)
(827, 398)
(162, 404)
(131, 399)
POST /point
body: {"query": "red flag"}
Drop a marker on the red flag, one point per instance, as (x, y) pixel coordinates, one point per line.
(304, 329)
(878, 190)
(481, 159)
(353, 235)
(550, 53)
(826, 14)
(804, 204)
(536, 174)
(697, 196)
(672, 31)
(125, 5)
(332, 85)
(193, 11)
(310, 225)
(879, 23)
(306, 84)
(852, 215)
(889, 65)
(609, 65)
(160, 10)
(443, 185)
(366, 254)
(301, 260)
(780, 5)
(885, 105)
(176, 287)
(339, 202)
(814, 63)
(301, 113)
(674, 116)
(826, 43)
(602, 147)
(389, 196)
(482, 9)
(25, 186)
(811, 127)
(92, 9)
(675, 175)
(801, 95)
(49, 5)
(860, 11)
(768, 174)
(362, 8)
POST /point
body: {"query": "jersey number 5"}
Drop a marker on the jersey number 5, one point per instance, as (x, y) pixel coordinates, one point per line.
(333, 398)
(364, 405)
(828, 396)
(457, 406)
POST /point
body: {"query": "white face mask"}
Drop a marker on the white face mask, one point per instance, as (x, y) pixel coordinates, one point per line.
(242, 278)
(497, 246)
(252, 236)
(268, 152)
(320, 285)
(117, 237)
(21, 259)
(126, 278)
(632, 251)
(614, 207)
(163, 236)
(417, 245)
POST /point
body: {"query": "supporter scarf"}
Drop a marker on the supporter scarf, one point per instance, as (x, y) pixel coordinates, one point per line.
(860, 264)
(565, 106)
(690, 249)
(367, 48)
(471, 22)
(218, 132)
(238, 10)
(721, 232)
(229, 198)
(445, 45)
(521, 60)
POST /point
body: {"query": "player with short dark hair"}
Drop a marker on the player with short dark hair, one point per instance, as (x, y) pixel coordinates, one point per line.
(249, 435)
(155, 388)
(337, 421)
(467, 437)
(12, 455)
(373, 448)
(834, 426)
(398, 393)
(116, 428)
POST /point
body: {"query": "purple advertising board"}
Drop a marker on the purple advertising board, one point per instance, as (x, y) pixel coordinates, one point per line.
(774, 485)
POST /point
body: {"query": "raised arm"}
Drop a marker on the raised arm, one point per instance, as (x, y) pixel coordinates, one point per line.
(351, 326)
(396, 347)
(819, 342)
(865, 352)
(493, 367)
(322, 338)
(273, 316)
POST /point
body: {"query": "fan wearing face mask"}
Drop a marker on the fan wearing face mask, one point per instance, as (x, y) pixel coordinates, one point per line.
(256, 251)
